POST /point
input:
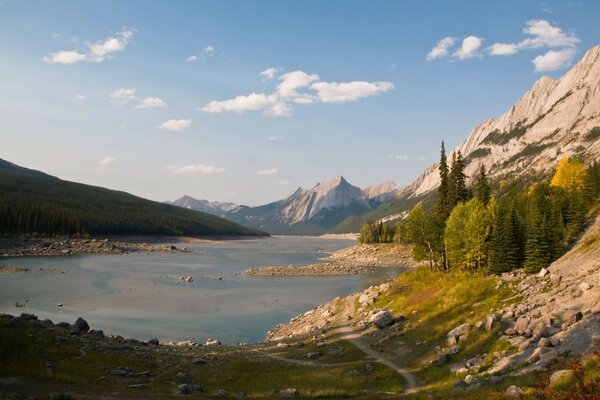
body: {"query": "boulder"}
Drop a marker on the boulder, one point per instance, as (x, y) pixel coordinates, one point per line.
(543, 272)
(459, 330)
(559, 375)
(154, 342)
(571, 316)
(469, 379)
(382, 319)
(514, 391)
(313, 355)
(289, 392)
(521, 325)
(489, 321)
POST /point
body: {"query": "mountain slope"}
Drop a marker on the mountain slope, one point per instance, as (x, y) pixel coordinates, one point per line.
(210, 207)
(34, 202)
(555, 118)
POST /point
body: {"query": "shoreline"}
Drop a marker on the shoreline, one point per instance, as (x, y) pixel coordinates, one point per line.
(359, 259)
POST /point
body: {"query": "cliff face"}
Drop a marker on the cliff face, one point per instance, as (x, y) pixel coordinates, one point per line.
(555, 118)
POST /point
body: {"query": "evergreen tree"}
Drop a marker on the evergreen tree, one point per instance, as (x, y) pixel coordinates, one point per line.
(458, 191)
(540, 245)
(443, 207)
(504, 241)
(483, 187)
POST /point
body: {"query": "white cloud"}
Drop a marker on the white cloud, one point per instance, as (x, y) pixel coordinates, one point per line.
(123, 96)
(333, 92)
(64, 57)
(151, 102)
(96, 52)
(269, 73)
(441, 48)
(274, 138)
(294, 80)
(110, 160)
(297, 87)
(272, 171)
(469, 48)
(195, 169)
(503, 49)
(554, 59)
(80, 98)
(399, 157)
(191, 58)
(208, 51)
(546, 35)
(280, 109)
(422, 158)
(175, 125)
(252, 102)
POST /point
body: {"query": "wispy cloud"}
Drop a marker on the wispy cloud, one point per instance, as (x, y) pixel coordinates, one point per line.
(283, 183)
(297, 87)
(554, 59)
(540, 34)
(193, 169)
(79, 98)
(274, 138)
(269, 73)
(123, 96)
(399, 157)
(441, 48)
(272, 171)
(110, 160)
(175, 125)
(152, 102)
(206, 52)
(95, 52)
(469, 48)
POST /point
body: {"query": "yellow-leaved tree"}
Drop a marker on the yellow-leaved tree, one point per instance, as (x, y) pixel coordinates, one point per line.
(570, 175)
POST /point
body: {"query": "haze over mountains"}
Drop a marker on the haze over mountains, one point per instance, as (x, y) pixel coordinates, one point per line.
(555, 118)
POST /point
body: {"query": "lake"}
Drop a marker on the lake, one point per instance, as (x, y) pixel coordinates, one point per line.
(141, 296)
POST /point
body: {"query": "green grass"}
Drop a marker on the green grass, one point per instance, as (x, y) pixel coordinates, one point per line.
(441, 302)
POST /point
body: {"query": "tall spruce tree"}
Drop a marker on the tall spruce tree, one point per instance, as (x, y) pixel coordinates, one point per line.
(504, 241)
(458, 191)
(540, 245)
(483, 186)
(443, 207)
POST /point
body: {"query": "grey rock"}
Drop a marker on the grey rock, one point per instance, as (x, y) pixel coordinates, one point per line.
(369, 368)
(289, 392)
(313, 355)
(185, 377)
(469, 379)
(514, 391)
(460, 330)
(154, 342)
(557, 375)
(220, 393)
(521, 325)
(184, 389)
(489, 322)
(381, 319)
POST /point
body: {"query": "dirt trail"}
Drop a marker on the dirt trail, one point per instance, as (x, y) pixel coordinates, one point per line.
(350, 335)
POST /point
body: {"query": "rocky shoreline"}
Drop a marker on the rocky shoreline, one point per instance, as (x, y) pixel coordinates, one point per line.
(322, 269)
(355, 260)
(24, 246)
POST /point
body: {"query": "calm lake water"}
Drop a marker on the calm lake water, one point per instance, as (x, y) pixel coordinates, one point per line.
(141, 296)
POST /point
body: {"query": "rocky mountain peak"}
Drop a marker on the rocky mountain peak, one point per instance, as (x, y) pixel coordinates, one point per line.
(553, 119)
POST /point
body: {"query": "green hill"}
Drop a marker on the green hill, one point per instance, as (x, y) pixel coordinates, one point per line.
(34, 202)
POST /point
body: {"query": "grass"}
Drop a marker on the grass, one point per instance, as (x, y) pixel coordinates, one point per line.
(25, 351)
(435, 303)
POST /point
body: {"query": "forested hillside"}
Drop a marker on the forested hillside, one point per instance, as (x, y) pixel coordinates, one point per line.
(32, 202)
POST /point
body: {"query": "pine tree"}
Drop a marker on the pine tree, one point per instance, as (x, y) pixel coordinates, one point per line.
(458, 192)
(483, 186)
(443, 207)
(540, 245)
(504, 241)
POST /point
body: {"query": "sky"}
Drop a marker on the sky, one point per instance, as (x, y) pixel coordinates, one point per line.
(244, 101)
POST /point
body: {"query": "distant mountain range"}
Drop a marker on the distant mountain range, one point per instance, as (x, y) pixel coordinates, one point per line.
(211, 207)
(555, 118)
(304, 212)
(32, 202)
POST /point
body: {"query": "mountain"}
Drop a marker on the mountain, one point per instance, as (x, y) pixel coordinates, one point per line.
(210, 207)
(555, 118)
(34, 202)
(316, 210)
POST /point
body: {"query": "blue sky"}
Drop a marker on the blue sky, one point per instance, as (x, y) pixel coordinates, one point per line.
(162, 99)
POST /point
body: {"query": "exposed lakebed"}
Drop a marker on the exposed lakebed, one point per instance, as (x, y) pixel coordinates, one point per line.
(141, 295)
